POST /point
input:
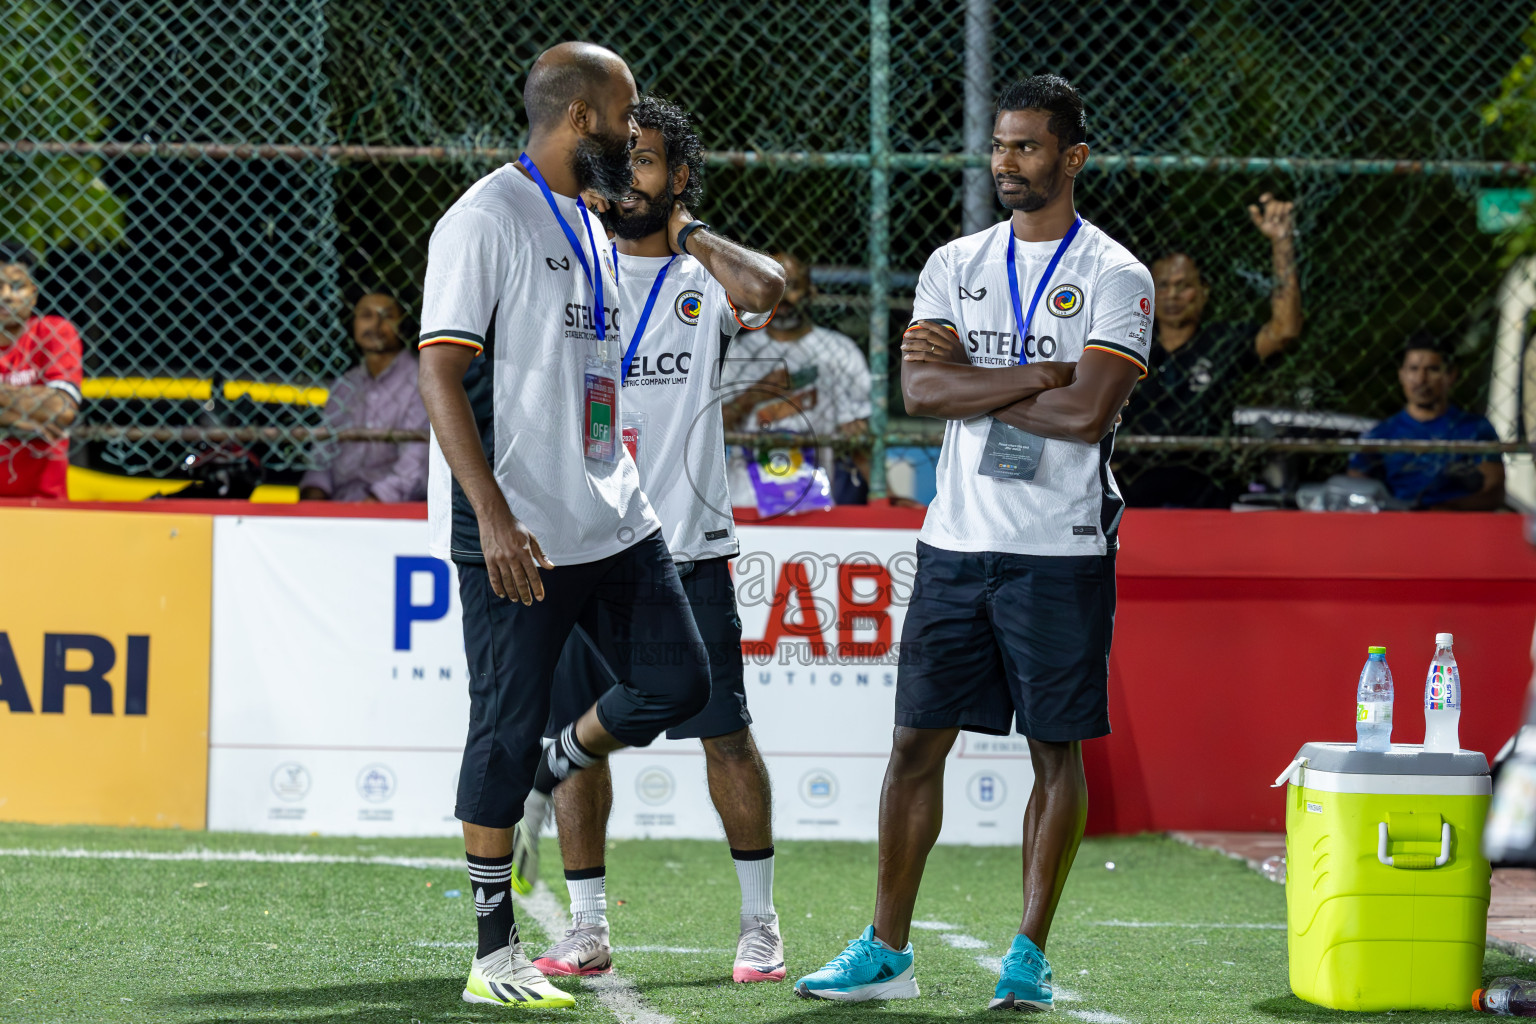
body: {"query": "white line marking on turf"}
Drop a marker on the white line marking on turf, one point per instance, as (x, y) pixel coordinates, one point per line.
(617, 993)
(1097, 1017)
(955, 940)
(1186, 924)
(240, 856)
(935, 926)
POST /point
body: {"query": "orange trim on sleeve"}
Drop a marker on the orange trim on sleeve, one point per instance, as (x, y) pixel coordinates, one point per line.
(479, 348)
(930, 324)
(1123, 355)
(744, 326)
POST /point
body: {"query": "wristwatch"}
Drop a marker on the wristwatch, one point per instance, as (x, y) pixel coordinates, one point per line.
(688, 229)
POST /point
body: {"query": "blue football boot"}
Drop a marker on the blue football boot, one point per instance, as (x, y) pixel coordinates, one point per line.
(1025, 983)
(867, 969)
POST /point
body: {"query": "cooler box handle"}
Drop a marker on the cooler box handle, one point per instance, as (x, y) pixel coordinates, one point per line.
(1292, 773)
(1413, 828)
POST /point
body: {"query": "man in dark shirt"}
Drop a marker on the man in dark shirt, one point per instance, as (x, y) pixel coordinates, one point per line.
(1196, 367)
(1440, 481)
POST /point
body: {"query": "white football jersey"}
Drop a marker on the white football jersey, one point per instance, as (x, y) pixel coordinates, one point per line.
(1100, 297)
(672, 399)
(502, 278)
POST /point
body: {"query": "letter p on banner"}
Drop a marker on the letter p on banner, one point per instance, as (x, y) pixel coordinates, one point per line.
(406, 568)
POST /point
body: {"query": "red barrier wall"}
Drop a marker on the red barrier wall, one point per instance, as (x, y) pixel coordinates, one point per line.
(1240, 637)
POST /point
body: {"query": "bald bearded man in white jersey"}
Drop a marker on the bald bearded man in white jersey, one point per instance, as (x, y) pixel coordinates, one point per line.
(1028, 338)
(531, 492)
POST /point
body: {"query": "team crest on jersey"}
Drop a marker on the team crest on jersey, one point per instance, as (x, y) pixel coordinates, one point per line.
(1066, 300)
(689, 305)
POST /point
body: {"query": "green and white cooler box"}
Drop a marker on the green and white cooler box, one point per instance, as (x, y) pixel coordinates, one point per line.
(1386, 886)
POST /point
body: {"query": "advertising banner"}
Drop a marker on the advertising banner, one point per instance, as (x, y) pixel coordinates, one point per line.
(340, 693)
(104, 620)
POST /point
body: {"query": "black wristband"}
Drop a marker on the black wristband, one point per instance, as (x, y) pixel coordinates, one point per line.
(688, 229)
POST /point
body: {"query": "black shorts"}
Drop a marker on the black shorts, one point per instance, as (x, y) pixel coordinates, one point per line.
(647, 631)
(583, 675)
(991, 639)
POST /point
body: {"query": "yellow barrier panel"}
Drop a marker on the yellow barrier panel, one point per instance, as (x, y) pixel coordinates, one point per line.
(91, 485)
(148, 389)
(104, 634)
(285, 394)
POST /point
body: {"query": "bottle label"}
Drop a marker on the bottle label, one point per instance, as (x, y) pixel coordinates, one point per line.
(1373, 712)
(1438, 689)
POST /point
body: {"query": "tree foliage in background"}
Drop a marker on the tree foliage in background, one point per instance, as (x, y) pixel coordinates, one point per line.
(46, 94)
(1514, 113)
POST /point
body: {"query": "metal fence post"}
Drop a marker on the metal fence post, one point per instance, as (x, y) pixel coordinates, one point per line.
(879, 234)
(978, 205)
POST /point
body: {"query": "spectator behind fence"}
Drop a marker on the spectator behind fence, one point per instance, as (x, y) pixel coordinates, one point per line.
(1197, 367)
(39, 384)
(379, 393)
(814, 380)
(1442, 481)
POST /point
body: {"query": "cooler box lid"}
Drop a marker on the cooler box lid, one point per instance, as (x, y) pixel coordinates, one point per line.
(1402, 759)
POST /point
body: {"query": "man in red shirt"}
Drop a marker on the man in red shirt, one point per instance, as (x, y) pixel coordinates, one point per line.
(39, 384)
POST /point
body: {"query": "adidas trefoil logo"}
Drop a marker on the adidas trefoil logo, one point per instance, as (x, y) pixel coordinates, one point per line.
(483, 906)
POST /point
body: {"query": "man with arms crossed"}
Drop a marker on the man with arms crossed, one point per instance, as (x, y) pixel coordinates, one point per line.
(1014, 600)
(686, 291)
(542, 510)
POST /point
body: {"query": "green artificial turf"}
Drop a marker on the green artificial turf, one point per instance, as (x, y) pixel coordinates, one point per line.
(137, 940)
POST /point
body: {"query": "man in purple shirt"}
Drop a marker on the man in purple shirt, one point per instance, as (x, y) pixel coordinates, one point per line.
(379, 393)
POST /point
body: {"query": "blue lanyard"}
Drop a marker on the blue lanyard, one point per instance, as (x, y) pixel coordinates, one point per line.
(1013, 283)
(570, 236)
(645, 315)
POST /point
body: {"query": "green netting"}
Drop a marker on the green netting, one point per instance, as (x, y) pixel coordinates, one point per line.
(211, 186)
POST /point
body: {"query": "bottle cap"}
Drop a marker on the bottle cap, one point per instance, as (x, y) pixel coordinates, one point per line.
(1444, 639)
(1376, 650)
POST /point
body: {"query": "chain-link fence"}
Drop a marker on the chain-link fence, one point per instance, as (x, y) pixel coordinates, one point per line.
(212, 187)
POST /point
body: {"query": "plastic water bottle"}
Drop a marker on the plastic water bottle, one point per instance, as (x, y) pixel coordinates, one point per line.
(1442, 699)
(1506, 997)
(1373, 703)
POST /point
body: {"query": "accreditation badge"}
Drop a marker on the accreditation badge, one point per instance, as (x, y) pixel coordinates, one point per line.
(633, 431)
(600, 438)
(1011, 453)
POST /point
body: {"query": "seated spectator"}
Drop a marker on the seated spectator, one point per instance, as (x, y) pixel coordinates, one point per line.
(380, 393)
(814, 380)
(1440, 481)
(39, 384)
(1196, 367)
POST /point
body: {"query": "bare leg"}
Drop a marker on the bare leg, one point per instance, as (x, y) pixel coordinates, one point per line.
(593, 736)
(911, 812)
(738, 785)
(582, 803)
(1053, 827)
(487, 842)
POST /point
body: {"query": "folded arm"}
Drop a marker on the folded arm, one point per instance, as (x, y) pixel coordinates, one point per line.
(46, 410)
(1487, 498)
(1085, 409)
(938, 380)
